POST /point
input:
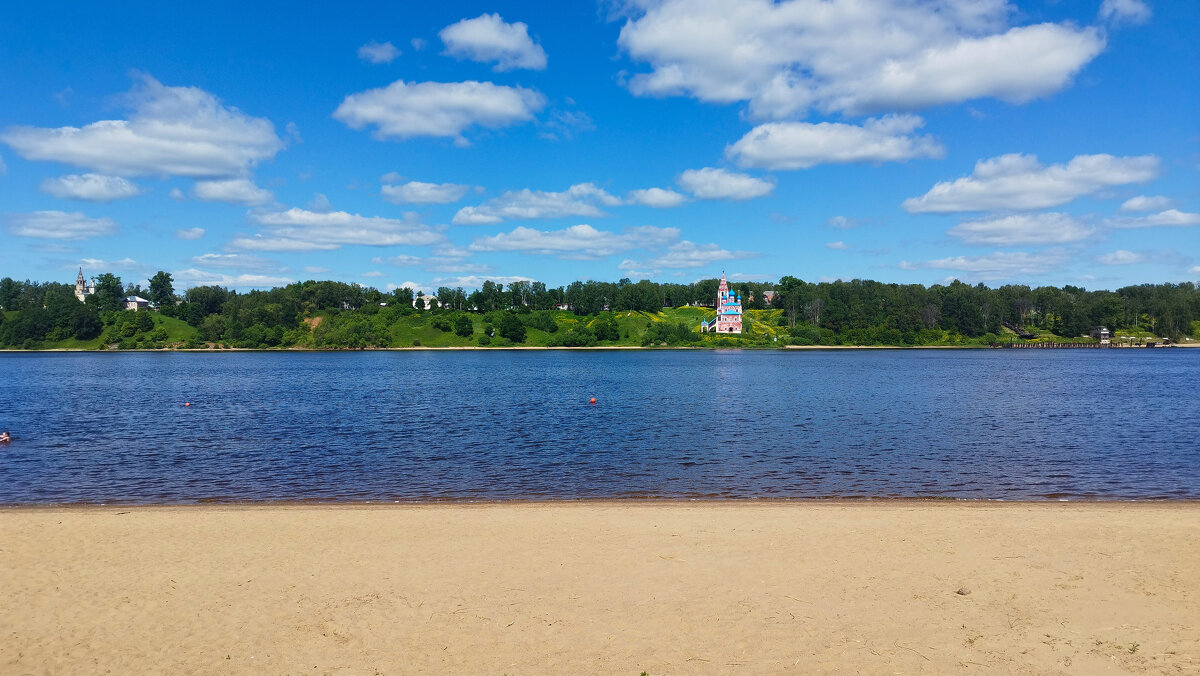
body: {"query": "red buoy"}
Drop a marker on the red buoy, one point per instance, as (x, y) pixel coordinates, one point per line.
(187, 403)
(592, 401)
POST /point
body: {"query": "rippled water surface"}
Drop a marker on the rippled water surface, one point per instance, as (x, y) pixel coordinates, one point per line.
(679, 424)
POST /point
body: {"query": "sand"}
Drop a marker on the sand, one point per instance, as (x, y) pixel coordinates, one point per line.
(610, 588)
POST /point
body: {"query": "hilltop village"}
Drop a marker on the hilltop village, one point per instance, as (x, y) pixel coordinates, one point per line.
(102, 312)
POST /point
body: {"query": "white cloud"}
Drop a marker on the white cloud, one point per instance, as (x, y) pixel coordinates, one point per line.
(1195, 270)
(375, 52)
(717, 184)
(1121, 257)
(3, 166)
(1170, 217)
(101, 264)
(842, 223)
(177, 195)
(1117, 12)
(1144, 203)
(475, 281)
(232, 191)
(60, 225)
(89, 187)
(999, 265)
(576, 242)
(581, 199)
(849, 56)
(488, 38)
(1019, 182)
(1020, 229)
(189, 233)
(445, 109)
(443, 264)
(417, 43)
(236, 262)
(181, 131)
(659, 198)
(301, 230)
(372, 273)
(319, 203)
(417, 192)
(195, 277)
(683, 254)
(315, 269)
(838, 245)
(800, 145)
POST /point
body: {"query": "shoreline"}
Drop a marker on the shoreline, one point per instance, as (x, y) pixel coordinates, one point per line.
(648, 502)
(595, 347)
(817, 587)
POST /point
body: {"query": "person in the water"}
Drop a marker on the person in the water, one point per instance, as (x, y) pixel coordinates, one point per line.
(4, 438)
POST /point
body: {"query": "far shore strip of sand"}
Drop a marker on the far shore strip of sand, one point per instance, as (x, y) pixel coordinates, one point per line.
(606, 587)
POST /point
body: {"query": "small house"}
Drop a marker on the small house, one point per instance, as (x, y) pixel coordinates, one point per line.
(136, 303)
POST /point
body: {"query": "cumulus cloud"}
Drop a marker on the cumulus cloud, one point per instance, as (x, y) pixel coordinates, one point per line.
(473, 281)
(718, 184)
(417, 192)
(1145, 203)
(90, 187)
(800, 145)
(300, 230)
(488, 38)
(196, 277)
(1170, 218)
(999, 265)
(1019, 182)
(319, 203)
(1021, 229)
(848, 56)
(181, 131)
(189, 233)
(374, 52)
(1117, 12)
(581, 199)
(441, 109)
(1121, 257)
(838, 245)
(102, 264)
(232, 191)
(683, 254)
(236, 262)
(576, 242)
(60, 225)
(659, 198)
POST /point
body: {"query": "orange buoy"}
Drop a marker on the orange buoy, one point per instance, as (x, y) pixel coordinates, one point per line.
(593, 400)
(187, 403)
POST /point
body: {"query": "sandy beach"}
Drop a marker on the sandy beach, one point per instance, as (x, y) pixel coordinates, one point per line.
(823, 587)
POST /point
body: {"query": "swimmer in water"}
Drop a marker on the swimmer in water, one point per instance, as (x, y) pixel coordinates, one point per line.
(4, 438)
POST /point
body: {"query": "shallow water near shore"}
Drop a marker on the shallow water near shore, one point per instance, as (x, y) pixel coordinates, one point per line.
(383, 426)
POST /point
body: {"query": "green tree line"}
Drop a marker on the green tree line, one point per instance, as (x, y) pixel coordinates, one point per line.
(327, 314)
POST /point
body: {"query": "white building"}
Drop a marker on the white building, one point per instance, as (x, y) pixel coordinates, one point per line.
(83, 290)
(136, 303)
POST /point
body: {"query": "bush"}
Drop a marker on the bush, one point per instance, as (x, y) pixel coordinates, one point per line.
(512, 328)
(606, 328)
(543, 320)
(485, 340)
(463, 326)
(442, 324)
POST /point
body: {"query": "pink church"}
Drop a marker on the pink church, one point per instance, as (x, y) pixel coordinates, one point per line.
(729, 311)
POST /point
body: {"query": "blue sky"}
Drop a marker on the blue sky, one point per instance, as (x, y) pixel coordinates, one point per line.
(439, 144)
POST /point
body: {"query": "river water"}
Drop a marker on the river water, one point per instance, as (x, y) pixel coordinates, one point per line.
(501, 425)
